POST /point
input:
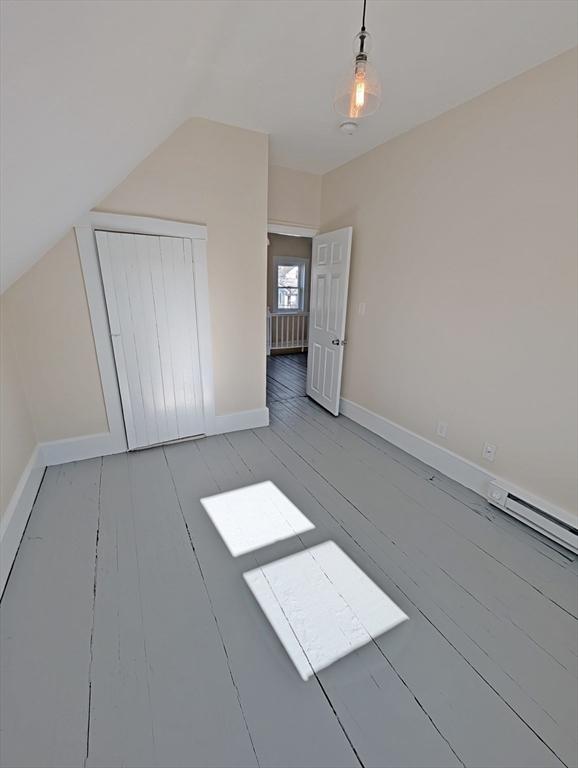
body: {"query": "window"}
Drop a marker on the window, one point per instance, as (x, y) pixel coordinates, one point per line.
(290, 284)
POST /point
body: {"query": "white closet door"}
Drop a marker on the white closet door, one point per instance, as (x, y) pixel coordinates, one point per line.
(149, 285)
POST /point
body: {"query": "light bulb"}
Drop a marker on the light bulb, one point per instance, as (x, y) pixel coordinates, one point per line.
(359, 92)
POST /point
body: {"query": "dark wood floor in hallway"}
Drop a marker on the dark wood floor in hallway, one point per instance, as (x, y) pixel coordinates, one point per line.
(286, 376)
(129, 636)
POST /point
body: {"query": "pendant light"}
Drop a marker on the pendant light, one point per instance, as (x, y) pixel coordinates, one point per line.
(359, 92)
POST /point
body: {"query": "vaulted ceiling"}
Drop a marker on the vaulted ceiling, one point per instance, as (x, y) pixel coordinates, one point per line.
(90, 88)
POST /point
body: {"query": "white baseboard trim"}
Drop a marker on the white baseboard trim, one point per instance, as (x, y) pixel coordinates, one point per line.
(233, 422)
(17, 513)
(48, 454)
(452, 465)
(457, 468)
(79, 448)
(105, 444)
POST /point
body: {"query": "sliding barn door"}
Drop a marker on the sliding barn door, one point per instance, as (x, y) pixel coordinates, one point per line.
(149, 285)
(329, 283)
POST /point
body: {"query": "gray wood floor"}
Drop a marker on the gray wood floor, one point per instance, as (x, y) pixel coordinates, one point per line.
(129, 638)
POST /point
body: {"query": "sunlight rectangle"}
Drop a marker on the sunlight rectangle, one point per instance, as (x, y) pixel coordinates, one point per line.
(255, 516)
(321, 605)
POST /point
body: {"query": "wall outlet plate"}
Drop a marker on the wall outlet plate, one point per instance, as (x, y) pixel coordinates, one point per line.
(489, 451)
(442, 429)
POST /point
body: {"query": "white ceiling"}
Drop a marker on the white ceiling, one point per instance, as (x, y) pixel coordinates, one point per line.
(90, 88)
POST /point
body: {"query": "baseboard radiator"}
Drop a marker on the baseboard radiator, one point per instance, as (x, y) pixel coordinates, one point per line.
(562, 531)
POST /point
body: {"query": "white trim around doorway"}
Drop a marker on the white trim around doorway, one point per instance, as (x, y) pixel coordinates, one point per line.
(291, 230)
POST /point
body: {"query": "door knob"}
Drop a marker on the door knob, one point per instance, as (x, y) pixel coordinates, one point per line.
(336, 342)
(343, 342)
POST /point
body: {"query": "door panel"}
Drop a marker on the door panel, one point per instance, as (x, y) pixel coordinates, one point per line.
(149, 286)
(329, 284)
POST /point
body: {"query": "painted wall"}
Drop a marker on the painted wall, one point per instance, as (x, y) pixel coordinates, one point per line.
(464, 250)
(294, 197)
(214, 174)
(17, 437)
(204, 173)
(48, 320)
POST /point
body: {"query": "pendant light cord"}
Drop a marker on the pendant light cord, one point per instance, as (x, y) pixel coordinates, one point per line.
(361, 35)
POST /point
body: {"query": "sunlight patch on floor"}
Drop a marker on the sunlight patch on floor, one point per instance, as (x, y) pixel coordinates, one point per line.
(321, 605)
(255, 516)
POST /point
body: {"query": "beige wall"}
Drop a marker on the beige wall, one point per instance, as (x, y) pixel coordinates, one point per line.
(465, 251)
(47, 316)
(204, 173)
(214, 174)
(294, 197)
(280, 246)
(17, 437)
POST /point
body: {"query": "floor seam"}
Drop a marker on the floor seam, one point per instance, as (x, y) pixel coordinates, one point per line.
(91, 658)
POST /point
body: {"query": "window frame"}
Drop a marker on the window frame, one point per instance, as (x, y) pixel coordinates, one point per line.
(291, 261)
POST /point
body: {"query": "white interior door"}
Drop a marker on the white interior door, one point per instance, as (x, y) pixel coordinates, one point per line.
(149, 286)
(329, 283)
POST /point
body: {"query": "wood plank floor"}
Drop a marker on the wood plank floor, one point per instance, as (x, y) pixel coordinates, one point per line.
(129, 637)
(286, 376)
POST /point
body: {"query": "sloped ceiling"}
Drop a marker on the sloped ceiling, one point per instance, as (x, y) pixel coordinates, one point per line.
(90, 88)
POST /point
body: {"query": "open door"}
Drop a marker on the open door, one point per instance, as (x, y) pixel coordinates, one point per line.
(329, 282)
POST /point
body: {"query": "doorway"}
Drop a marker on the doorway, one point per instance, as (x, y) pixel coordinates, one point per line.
(288, 292)
(307, 288)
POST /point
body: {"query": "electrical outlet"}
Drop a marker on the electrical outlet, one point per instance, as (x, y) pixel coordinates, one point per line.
(361, 307)
(489, 451)
(442, 429)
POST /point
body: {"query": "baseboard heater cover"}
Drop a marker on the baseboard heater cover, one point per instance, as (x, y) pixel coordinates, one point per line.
(561, 531)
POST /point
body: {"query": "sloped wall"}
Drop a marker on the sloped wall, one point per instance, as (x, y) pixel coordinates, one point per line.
(205, 173)
(49, 324)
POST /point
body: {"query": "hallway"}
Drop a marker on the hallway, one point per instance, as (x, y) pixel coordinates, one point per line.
(286, 377)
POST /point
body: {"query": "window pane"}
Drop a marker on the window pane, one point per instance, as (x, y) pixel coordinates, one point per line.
(288, 276)
(288, 298)
(294, 299)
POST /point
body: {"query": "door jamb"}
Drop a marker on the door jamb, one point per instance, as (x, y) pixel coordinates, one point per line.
(291, 230)
(114, 222)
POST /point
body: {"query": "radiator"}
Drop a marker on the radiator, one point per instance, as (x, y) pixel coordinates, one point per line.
(560, 528)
